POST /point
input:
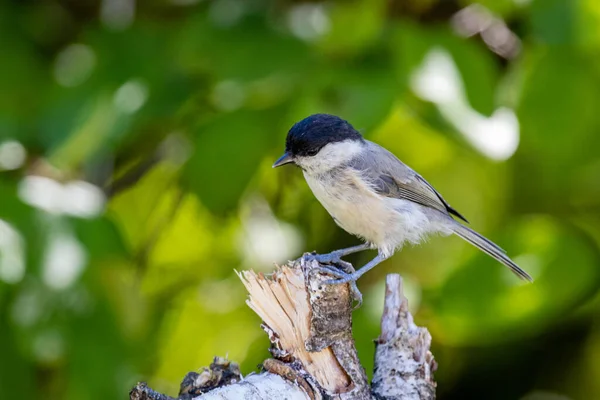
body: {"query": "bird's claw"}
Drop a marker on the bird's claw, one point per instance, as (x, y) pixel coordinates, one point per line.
(333, 258)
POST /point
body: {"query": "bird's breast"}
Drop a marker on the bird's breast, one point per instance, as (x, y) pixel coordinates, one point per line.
(353, 205)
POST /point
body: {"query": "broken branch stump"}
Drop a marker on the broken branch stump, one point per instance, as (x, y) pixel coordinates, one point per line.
(309, 325)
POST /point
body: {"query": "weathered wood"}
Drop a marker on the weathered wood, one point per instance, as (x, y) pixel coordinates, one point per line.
(309, 325)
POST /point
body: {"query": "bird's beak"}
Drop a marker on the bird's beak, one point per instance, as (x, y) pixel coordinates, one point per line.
(284, 159)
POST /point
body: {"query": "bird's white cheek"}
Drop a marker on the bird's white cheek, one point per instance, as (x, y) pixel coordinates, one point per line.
(317, 164)
(330, 156)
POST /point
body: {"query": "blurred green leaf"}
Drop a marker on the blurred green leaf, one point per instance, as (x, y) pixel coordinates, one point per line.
(409, 45)
(483, 303)
(553, 21)
(355, 25)
(204, 47)
(588, 31)
(220, 170)
(17, 377)
(22, 74)
(101, 237)
(556, 130)
(144, 209)
(94, 337)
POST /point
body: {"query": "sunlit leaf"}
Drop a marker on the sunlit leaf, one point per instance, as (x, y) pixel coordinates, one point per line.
(140, 211)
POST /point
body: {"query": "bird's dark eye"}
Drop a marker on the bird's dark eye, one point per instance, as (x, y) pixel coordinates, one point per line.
(312, 152)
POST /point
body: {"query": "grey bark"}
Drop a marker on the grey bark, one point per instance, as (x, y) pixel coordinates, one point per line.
(309, 325)
(404, 365)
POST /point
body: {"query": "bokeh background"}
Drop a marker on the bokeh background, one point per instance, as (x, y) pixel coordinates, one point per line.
(136, 143)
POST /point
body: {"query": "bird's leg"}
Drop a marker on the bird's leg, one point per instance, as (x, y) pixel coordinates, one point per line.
(350, 275)
(344, 277)
(335, 257)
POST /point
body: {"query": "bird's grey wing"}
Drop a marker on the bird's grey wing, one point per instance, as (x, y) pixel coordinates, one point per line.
(392, 178)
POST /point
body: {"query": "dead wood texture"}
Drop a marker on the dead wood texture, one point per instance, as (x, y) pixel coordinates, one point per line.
(309, 325)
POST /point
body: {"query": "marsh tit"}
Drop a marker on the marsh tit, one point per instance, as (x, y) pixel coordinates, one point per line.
(373, 195)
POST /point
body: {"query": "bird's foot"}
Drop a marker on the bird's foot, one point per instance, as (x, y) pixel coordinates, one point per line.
(345, 276)
(334, 258)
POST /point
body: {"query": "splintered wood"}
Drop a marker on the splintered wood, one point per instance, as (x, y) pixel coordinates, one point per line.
(282, 302)
(309, 324)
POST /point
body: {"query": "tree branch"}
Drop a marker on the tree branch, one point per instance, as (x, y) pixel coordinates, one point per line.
(309, 326)
(404, 365)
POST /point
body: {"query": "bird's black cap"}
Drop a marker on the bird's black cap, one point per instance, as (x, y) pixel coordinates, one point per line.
(311, 134)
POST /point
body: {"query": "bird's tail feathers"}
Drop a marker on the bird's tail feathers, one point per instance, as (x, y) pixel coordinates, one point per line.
(490, 248)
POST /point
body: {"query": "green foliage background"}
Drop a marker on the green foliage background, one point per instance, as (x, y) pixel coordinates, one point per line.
(178, 111)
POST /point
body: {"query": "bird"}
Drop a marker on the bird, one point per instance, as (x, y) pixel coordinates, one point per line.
(373, 195)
